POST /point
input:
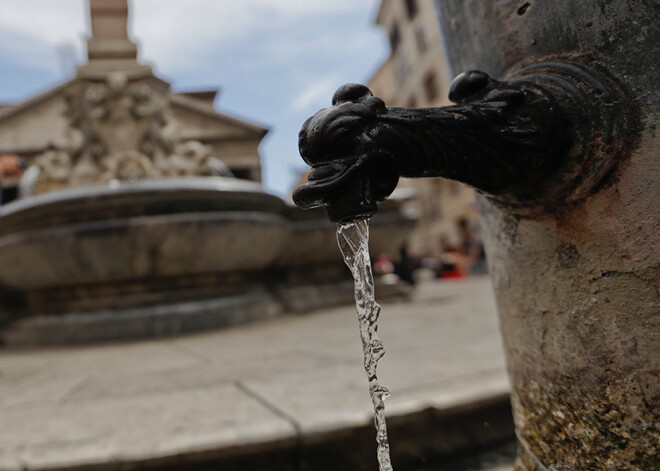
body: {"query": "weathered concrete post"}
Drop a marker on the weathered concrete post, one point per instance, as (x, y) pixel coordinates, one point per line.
(564, 148)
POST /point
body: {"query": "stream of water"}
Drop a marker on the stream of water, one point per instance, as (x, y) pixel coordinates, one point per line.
(353, 239)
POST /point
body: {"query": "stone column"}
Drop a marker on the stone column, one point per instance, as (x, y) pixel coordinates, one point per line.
(578, 286)
(110, 48)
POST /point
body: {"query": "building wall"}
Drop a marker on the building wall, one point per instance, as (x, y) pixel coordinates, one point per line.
(417, 55)
(34, 128)
(236, 146)
(416, 75)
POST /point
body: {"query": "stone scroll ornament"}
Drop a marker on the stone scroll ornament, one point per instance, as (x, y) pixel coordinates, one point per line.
(504, 138)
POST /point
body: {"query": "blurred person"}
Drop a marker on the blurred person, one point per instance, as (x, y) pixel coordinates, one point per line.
(447, 264)
(471, 248)
(404, 267)
(11, 169)
(383, 264)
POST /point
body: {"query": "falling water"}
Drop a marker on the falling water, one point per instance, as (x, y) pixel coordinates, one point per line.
(353, 239)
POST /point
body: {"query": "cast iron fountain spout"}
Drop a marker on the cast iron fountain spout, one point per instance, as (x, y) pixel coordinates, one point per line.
(523, 142)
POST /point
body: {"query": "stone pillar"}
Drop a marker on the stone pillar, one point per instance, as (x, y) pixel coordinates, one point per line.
(578, 287)
(110, 48)
(109, 31)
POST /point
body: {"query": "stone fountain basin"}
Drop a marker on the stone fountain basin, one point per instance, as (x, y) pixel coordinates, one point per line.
(141, 230)
(162, 257)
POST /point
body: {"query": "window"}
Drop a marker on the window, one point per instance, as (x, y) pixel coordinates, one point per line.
(411, 8)
(430, 86)
(395, 37)
(421, 39)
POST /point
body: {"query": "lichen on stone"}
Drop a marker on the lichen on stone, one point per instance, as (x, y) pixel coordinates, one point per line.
(610, 426)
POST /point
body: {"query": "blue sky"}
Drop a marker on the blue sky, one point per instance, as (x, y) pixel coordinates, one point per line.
(276, 62)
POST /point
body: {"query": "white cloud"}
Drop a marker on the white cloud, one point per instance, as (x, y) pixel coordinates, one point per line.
(186, 32)
(175, 34)
(52, 21)
(34, 32)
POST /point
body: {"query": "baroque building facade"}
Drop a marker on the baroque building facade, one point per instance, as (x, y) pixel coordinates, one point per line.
(416, 75)
(116, 120)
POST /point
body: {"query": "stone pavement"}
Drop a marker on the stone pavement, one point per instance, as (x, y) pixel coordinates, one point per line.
(292, 389)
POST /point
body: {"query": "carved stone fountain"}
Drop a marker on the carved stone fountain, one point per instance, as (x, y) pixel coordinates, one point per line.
(563, 149)
(135, 227)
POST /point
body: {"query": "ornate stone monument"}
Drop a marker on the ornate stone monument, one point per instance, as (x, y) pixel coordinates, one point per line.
(117, 121)
(131, 236)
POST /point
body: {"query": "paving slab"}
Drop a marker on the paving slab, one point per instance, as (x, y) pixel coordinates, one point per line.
(291, 383)
(139, 427)
(52, 374)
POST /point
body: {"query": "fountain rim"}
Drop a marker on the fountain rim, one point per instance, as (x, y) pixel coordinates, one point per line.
(130, 200)
(123, 188)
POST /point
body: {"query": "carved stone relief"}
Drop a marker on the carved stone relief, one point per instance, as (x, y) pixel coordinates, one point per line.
(119, 129)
